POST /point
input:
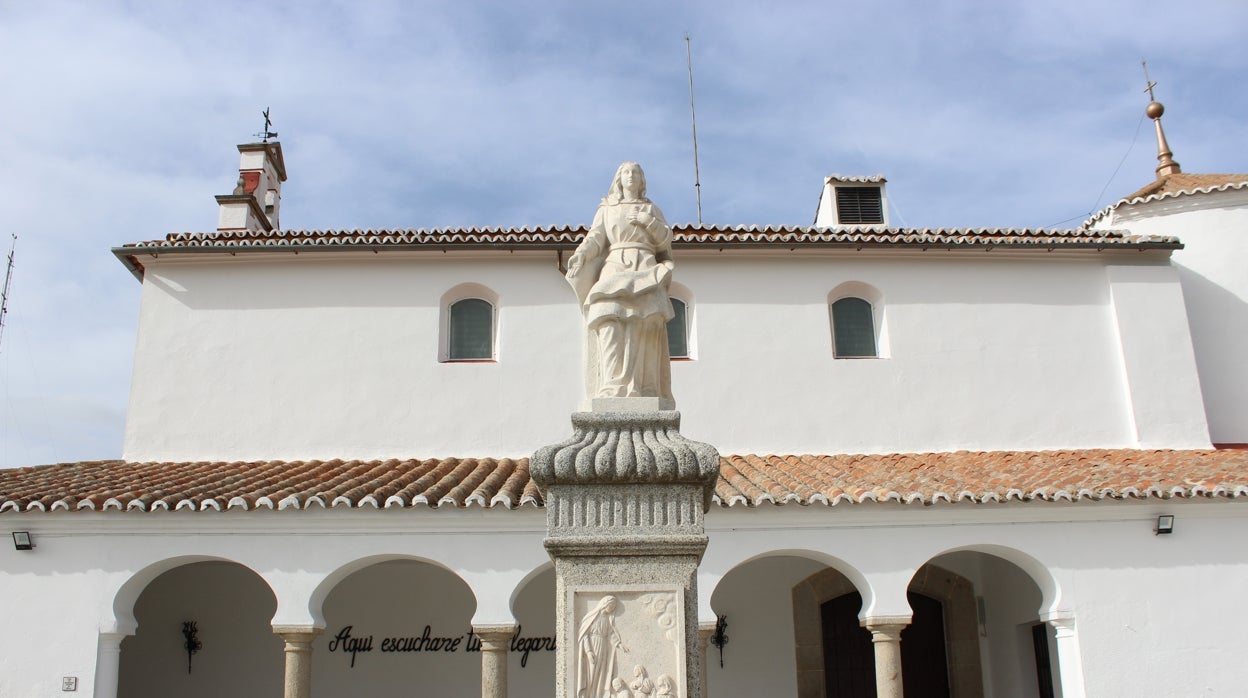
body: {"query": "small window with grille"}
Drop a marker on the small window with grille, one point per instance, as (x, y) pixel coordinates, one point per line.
(678, 331)
(471, 330)
(859, 205)
(853, 329)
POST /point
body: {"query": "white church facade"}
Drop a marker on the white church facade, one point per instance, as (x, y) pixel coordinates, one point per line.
(1011, 462)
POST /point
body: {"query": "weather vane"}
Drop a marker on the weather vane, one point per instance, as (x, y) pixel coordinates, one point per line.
(266, 134)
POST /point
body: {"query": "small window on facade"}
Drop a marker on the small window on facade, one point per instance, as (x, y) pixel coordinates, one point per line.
(853, 328)
(678, 331)
(471, 328)
(859, 205)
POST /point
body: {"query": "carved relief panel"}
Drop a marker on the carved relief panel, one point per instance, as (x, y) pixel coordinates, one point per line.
(626, 642)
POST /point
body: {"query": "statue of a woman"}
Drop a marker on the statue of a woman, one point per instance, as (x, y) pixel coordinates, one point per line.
(621, 272)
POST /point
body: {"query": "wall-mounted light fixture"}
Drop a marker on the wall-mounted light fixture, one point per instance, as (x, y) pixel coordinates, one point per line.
(22, 540)
(720, 638)
(1165, 524)
(190, 631)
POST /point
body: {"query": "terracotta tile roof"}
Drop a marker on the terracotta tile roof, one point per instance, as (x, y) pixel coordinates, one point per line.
(857, 179)
(984, 476)
(1179, 184)
(556, 237)
(203, 486)
(747, 480)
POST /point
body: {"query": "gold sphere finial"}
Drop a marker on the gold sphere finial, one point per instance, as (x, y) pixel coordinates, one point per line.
(1154, 110)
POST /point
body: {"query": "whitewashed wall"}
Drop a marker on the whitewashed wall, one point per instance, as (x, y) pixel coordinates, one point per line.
(334, 355)
(1214, 229)
(1153, 614)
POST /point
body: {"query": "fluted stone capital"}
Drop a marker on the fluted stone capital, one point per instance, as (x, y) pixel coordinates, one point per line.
(609, 448)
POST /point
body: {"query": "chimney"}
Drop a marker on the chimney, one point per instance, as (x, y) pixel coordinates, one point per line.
(257, 199)
(852, 202)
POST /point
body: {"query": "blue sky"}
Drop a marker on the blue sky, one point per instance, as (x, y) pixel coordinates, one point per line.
(119, 122)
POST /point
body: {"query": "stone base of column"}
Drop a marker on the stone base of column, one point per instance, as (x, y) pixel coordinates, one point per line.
(705, 631)
(625, 500)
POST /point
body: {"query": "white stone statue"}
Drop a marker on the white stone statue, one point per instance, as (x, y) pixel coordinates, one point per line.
(621, 272)
(596, 643)
(666, 685)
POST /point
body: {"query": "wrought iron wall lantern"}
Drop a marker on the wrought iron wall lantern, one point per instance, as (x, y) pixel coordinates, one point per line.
(190, 631)
(22, 540)
(1165, 524)
(720, 638)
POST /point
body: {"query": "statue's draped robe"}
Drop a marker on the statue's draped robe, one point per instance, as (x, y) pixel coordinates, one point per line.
(596, 643)
(622, 286)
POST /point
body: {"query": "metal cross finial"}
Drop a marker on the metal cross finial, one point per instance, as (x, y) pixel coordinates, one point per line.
(266, 134)
(1148, 88)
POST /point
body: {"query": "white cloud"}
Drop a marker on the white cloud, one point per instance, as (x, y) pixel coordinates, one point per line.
(120, 120)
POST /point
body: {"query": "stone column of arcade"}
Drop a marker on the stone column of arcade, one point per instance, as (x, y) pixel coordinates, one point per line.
(1069, 659)
(298, 677)
(626, 494)
(108, 664)
(494, 642)
(886, 639)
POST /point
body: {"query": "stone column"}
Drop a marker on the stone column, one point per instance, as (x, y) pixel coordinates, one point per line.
(298, 682)
(886, 637)
(1069, 660)
(705, 631)
(108, 664)
(494, 642)
(625, 500)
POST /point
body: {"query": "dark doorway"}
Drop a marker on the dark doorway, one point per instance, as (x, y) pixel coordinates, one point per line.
(924, 667)
(1044, 665)
(849, 658)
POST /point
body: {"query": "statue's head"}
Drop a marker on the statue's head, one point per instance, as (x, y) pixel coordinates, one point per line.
(608, 604)
(632, 174)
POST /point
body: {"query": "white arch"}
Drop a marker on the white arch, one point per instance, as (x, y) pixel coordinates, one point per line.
(873, 296)
(1050, 590)
(459, 292)
(524, 582)
(122, 618)
(709, 581)
(315, 601)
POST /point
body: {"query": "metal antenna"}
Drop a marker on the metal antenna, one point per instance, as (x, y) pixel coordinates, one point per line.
(266, 134)
(8, 279)
(693, 115)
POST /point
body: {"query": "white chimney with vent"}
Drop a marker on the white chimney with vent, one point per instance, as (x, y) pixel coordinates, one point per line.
(852, 202)
(257, 199)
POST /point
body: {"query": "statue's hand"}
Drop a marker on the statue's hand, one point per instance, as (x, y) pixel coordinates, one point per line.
(641, 217)
(574, 265)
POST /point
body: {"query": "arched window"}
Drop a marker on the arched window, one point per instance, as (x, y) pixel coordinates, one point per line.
(853, 328)
(470, 329)
(678, 331)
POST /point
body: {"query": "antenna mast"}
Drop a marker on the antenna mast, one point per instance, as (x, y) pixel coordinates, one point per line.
(697, 174)
(8, 279)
